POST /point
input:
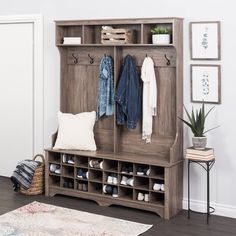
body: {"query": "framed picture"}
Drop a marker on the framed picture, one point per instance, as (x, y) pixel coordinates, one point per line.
(205, 83)
(205, 40)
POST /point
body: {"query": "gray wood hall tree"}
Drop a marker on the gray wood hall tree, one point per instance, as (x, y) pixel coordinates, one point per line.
(116, 144)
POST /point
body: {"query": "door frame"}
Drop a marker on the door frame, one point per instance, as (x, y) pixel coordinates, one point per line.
(38, 72)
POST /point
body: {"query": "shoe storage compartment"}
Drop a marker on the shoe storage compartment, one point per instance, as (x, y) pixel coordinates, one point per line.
(121, 151)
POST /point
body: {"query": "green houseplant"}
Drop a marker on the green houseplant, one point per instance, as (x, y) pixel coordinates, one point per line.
(196, 122)
(161, 35)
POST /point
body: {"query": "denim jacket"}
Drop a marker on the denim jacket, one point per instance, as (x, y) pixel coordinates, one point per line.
(105, 103)
(128, 95)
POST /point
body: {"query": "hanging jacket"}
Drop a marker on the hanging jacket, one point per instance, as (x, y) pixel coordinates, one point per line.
(128, 95)
(105, 103)
(149, 97)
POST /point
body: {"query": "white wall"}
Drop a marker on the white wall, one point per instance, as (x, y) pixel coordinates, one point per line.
(222, 139)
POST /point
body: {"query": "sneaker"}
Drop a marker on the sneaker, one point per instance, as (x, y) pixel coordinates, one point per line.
(64, 158)
(107, 189)
(156, 187)
(140, 171)
(115, 192)
(140, 196)
(85, 187)
(130, 181)
(85, 175)
(124, 180)
(109, 179)
(52, 167)
(114, 179)
(58, 170)
(124, 170)
(162, 187)
(101, 165)
(146, 171)
(131, 170)
(80, 173)
(92, 163)
(70, 160)
(146, 197)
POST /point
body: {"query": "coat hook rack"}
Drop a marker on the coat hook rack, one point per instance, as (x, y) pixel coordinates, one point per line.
(91, 59)
(75, 58)
(167, 60)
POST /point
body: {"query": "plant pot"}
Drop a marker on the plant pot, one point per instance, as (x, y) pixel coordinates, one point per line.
(199, 142)
(161, 38)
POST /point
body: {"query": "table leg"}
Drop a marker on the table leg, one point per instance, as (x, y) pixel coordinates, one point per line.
(208, 192)
(188, 189)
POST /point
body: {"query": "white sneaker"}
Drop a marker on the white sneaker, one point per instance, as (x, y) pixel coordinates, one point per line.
(130, 181)
(114, 180)
(124, 180)
(146, 197)
(101, 165)
(52, 168)
(156, 187)
(162, 187)
(148, 172)
(58, 170)
(109, 179)
(140, 196)
(64, 158)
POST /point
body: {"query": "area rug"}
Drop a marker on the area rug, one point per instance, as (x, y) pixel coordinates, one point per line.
(39, 219)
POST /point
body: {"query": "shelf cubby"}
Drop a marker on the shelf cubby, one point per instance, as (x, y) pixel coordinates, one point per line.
(95, 176)
(67, 171)
(81, 161)
(125, 193)
(157, 172)
(54, 180)
(110, 165)
(157, 198)
(141, 183)
(94, 187)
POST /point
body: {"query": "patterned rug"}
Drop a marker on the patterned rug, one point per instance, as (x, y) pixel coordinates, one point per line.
(39, 219)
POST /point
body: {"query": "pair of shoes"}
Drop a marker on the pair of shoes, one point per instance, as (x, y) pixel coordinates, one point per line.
(158, 187)
(127, 181)
(127, 170)
(82, 174)
(112, 179)
(143, 171)
(108, 189)
(82, 187)
(54, 168)
(96, 164)
(68, 184)
(143, 197)
(69, 159)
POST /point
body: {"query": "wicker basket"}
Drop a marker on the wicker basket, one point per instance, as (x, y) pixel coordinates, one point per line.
(37, 186)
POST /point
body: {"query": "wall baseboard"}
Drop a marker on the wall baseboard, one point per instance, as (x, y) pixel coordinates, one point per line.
(220, 209)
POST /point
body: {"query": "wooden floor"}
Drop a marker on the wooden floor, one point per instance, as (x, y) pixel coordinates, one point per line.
(177, 226)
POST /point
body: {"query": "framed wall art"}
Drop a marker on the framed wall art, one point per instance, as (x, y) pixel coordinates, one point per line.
(205, 40)
(206, 83)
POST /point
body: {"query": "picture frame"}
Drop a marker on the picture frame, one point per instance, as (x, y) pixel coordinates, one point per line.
(205, 83)
(205, 43)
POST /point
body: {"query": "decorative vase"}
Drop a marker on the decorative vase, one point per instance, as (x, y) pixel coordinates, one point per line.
(199, 142)
(161, 38)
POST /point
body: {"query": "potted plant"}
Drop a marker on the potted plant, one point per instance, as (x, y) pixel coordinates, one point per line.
(196, 122)
(161, 35)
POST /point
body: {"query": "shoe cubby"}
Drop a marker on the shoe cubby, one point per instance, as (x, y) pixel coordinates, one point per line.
(126, 168)
(68, 159)
(126, 193)
(95, 176)
(81, 161)
(157, 172)
(67, 171)
(94, 187)
(147, 35)
(54, 158)
(141, 183)
(110, 166)
(126, 180)
(67, 183)
(95, 163)
(54, 180)
(157, 198)
(68, 31)
(141, 170)
(82, 173)
(157, 185)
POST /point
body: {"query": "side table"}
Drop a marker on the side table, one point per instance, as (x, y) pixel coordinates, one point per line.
(207, 165)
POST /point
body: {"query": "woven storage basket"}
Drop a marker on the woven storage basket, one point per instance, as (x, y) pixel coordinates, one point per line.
(37, 186)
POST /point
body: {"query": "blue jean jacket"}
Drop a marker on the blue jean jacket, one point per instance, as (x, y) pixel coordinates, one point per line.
(105, 103)
(128, 95)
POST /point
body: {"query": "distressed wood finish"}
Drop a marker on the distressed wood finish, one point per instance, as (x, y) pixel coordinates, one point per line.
(116, 144)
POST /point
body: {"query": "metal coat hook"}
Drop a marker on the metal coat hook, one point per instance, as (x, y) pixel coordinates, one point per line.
(75, 58)
(91, 59)
(167, 60)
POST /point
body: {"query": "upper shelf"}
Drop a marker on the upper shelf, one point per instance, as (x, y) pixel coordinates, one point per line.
(90, 32)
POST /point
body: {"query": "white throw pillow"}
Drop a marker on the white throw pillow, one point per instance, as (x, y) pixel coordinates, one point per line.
(76, 131)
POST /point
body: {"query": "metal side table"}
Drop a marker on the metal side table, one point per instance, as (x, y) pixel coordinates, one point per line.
(206, 165)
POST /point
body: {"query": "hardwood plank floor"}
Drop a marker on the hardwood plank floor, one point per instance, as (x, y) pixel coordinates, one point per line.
(177, 226)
